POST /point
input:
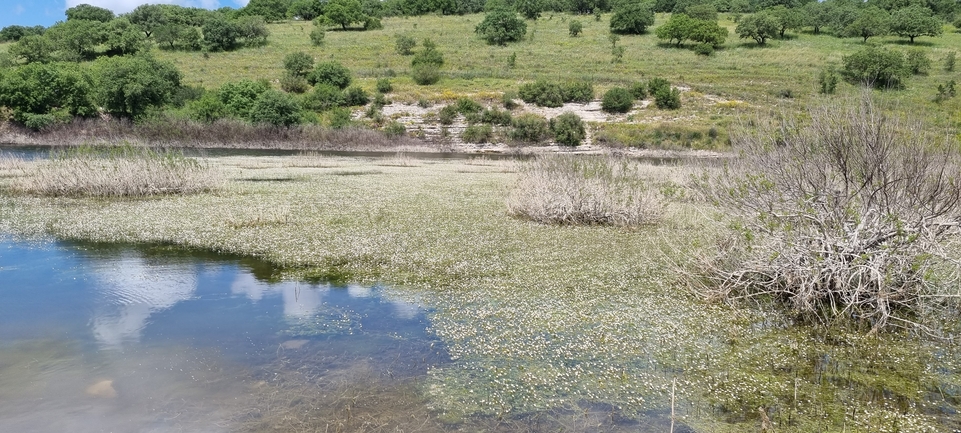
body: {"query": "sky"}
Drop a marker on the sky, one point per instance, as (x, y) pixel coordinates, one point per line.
(48, 12)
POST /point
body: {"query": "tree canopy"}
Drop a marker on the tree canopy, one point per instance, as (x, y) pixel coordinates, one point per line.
(914, 21)
(631, 18)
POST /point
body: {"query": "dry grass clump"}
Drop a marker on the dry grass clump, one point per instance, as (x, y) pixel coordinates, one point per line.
(586, 190)
(124, 171)
(851, 215)
(10, 164)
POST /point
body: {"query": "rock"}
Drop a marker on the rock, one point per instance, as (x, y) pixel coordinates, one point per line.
(102, 389)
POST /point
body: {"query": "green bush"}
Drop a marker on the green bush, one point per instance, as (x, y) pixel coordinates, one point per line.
(447, 115)
(38, 122)
(208, 108)
(479, 133)
(667, 99)
(384, 86)
(658, 84)
(494, 116)
(373, 23)
(617, 100)
(324, 97)
(339, 118)
(704, 49)
(575, 28)
(918, 62)
(529, 127)
(501, 26)
(467, 106)
(425, 74)
(129, 86)
(294, 84)
(542, 93)
(394, 129)
(238, 97)
(876, 67)
(638, 90)
(275, 108)
(404, 45)
(298, 64)
(429, 55)
(331, 73)
(508, 100)
(579, 91)
(568, 129)
(828, 81)
(42, 88)
(355, 96)
(317, 36)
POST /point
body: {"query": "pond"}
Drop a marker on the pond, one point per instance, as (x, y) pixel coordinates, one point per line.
(96, 338)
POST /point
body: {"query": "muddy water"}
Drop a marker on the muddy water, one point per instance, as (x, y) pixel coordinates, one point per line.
(154, 340)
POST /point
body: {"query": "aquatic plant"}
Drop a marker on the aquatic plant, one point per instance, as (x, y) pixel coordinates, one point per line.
(584, 190)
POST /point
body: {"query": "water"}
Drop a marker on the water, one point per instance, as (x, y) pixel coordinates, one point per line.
(123, 339)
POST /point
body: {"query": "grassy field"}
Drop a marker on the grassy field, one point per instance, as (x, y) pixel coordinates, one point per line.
(613, 334)
(740, 71)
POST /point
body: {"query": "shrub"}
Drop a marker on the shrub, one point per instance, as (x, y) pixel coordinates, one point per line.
(298, 64)
(208, 108)
(479, 133)
(667, 99)
(373, 23)
(275, 108)
(949, 62)
(542, 93)
(425, 74)
(331, 73)
(617, 100)
(129, 86)
(877, 67)
(447, 115)
(317, 36)
(529, 127)
(384, 86)
(123, 171)
(294, 84)
(818, 233)
(339, 118)
(508, 100)
(429, 55)
(394, 129)
(704, 49)
(584, 190)
(467, 106)
(355, 96)
(658, 84)
(579, 91)
(638, 90)
(918, 62)
(631, 18)
(828, 81)
(617, 54)
(494, 116)
(238, 97)
(501, 26)
(568, 129)
(324, 97)
(404, 45)
(575, 28)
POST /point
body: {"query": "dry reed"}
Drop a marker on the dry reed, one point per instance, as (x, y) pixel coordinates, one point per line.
(584, 190)
(118, 172)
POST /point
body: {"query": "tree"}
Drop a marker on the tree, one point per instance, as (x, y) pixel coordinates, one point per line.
(76, 39)
(631, 18)
(306, 10)
(275, 108)
(270, 10)
(124, 38)
(168, 34)
(877, 67)
(575, 28)
(253, 30)
(529, 9)
(344, 12)
(14, 33)
(33, 49)
(871, 21)
(298, 63)
(678, 28)
(818, 15)
(88, 12)
(703, 11)
(221, 34)
(707, 32)
(501, 26)
(238, 97)
(760, 27)
(40, 89)
(789, 18)
(128, 86)
(914, 21)
(148, 17)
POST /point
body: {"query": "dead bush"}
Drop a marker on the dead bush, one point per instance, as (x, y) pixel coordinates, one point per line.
(852, 214)
(579, 189)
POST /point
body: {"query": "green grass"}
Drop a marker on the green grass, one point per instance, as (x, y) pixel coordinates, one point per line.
(539, 320)
(740, 70)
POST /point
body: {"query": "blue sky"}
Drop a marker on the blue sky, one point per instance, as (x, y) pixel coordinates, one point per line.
(47, 12)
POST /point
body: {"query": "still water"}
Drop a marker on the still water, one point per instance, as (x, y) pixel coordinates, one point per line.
(126, 339)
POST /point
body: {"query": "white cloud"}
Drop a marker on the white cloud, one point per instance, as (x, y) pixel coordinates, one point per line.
(241, 3)
(124, 6)
(19, 9)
